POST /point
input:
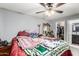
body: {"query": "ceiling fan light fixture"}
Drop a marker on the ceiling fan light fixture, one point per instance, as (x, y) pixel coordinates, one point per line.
(52, 12)
(49, 13)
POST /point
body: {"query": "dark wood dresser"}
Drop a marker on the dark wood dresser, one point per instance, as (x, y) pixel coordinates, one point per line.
(5, 50)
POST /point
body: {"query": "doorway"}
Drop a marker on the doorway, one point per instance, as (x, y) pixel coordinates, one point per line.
(60, 25)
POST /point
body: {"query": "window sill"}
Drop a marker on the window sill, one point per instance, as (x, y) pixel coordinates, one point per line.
(75, 46)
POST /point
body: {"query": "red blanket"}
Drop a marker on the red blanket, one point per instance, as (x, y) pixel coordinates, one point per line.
(16, 50)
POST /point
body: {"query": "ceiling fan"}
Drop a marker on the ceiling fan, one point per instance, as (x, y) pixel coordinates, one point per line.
(51, 8)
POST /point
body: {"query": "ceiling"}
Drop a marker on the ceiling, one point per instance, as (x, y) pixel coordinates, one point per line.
(31, 8)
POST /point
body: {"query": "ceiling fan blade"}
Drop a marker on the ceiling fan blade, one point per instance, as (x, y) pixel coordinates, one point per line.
(59, 4)
(39, 12)
(43, 5)
(58, 11)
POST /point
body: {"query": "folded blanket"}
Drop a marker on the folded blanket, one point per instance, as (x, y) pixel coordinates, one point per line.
(28, 42)
(24, 42)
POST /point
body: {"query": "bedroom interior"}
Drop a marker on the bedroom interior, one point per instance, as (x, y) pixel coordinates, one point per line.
(39, 29)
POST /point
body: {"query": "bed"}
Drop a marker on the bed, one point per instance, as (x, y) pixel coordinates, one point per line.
(61, 49)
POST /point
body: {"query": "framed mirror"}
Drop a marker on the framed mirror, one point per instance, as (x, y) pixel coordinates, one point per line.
(47, 30)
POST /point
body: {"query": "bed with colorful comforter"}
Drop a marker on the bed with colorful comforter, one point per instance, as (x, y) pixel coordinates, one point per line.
(45, 48)
(48, 48)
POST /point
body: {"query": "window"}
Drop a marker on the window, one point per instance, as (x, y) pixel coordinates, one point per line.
(75, 33)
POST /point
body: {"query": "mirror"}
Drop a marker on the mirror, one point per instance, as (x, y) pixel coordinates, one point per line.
(47, 30)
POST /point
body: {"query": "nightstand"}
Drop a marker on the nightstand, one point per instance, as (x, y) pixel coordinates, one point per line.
(5, 50)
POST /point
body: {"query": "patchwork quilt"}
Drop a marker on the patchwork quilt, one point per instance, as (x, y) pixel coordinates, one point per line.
(48, 48)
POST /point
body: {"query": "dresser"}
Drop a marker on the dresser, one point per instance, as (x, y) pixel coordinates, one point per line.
(5, 50)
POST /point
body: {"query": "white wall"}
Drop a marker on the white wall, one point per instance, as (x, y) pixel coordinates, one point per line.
(14, 23)
(1, 25)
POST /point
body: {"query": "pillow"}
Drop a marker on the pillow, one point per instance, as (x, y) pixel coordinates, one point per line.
(37, 40)
(49, 38)
(23, 33)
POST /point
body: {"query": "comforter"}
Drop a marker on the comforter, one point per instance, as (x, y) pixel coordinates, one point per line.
(48, 48)
(42, 49)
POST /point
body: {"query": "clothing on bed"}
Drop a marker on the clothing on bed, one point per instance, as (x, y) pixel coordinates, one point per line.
(34, 35)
